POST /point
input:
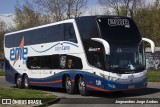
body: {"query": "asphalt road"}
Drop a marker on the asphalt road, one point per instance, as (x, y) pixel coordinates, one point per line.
(98, 99)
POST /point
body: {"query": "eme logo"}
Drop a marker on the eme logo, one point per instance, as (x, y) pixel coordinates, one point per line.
(19, 53)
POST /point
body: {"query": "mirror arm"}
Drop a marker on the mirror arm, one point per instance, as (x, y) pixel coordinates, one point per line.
(105, 44)
(151, 43)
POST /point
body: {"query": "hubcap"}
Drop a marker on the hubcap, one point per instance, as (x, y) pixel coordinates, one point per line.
(81, 86)
(68, 85)
(26, 82)
(19, 81)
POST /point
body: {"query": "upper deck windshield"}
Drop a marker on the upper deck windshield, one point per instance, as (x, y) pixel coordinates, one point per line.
(119, 31)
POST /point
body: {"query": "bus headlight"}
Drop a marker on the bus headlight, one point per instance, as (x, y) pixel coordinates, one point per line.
(111, 78)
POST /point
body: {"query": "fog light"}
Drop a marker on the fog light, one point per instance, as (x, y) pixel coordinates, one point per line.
(111, 85)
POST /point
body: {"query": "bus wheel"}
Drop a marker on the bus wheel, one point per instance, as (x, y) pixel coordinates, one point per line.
(26, 82)
(19, 82)
(82, 87)
(68, 85)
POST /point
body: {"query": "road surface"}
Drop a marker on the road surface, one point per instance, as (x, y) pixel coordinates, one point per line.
(95, 99)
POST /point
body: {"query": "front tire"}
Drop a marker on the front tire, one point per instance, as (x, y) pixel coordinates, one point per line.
(69, 86)
(82, 87)
(26, 82)
(19, 82)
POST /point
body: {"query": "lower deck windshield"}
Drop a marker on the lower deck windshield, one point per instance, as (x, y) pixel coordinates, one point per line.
(126, 59)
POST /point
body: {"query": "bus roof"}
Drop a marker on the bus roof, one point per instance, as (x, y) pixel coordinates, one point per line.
(42, 26)
(64, 21)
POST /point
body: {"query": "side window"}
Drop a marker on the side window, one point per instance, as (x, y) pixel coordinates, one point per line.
(95, 54)
(46, 62)
(42, 35)
(96, 59)
(69, 32)
(43, 62)
(55, 59)
(70, 62)
(13, 40)
(48, 34)
(30, 37)
(87, 28)
(55, 33)
(33, 63)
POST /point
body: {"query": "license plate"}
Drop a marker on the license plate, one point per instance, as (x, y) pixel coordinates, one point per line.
(131, 86)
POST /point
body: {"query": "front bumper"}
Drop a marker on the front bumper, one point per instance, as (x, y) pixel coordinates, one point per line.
(111, 86)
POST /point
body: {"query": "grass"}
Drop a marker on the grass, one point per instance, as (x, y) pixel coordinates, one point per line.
(1, 72)
(154, 75)
(14, 93)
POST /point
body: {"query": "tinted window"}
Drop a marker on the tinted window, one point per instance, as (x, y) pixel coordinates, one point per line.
(70, 62)
(87, 27)
(117, 30)
(95, 54)
(43, 62)
(54, 62)
(69, 32)
(42, 35)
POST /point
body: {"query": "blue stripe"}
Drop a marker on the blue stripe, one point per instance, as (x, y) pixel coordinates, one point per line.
(54, 46)
(46, 49)
(71, 44)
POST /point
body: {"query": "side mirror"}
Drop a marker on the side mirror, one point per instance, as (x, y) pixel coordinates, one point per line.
(151, 43)
(105, 44)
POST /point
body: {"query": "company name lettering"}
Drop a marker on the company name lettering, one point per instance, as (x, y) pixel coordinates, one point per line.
(59, 48)
(118, 22)
(18, 53)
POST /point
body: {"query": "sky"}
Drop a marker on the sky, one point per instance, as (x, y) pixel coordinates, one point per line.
(7, 6)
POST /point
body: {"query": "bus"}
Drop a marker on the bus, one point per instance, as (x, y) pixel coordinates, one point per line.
(89, 53)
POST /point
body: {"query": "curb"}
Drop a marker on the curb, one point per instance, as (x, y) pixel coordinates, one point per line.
(49, 103)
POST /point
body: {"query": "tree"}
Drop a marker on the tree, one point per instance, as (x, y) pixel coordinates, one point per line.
(122, 7)
(27, 17)
(147, 19)
(61, 9)
(115, 4)
(3, 27)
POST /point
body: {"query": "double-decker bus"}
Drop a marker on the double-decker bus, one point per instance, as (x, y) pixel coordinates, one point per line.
(100, 53)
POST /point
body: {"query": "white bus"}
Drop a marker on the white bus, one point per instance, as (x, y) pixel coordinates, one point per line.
(100, 53)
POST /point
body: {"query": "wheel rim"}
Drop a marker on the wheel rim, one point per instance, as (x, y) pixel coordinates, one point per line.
(26, 82)
(68, 85)
(19, 80)
(82, 86)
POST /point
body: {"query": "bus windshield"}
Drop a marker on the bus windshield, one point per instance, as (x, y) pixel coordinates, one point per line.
(126, 58)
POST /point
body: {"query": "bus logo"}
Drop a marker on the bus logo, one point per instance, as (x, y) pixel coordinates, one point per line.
(119, 22)
(19, 52)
